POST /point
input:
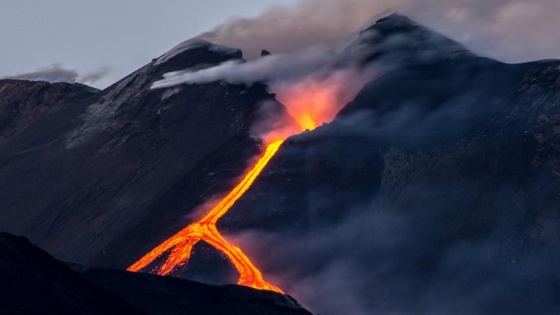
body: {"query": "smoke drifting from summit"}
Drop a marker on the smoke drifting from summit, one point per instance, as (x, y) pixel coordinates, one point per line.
(511, 31)
(283, 29)
(272, 68)
(313, 84)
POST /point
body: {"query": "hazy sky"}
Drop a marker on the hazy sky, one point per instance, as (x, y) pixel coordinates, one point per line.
(123, 35)
(120, 34)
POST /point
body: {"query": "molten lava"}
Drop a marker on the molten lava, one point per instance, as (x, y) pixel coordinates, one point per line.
(309, 102)
(182, 243)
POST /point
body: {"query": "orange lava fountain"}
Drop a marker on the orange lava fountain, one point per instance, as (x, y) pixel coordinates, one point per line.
(309, 103)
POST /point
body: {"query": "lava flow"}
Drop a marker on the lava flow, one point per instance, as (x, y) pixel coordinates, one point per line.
(308, 102)
(182, 243)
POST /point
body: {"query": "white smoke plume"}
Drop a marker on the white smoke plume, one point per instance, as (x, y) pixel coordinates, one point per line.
(377, 242)
(270, 68)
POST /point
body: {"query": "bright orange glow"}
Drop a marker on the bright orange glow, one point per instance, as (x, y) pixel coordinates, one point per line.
(314, 100)
(181, 244)
(310, 102)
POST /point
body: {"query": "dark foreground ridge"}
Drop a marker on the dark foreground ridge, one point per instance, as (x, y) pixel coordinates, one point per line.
(33, 282)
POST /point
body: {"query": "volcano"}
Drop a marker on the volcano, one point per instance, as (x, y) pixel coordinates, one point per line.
(435, 190)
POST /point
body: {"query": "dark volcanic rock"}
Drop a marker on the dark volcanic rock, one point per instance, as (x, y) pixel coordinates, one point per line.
(398, 39)
(23, 102)
(437, 187)
(32, 282)
(166, 295)
(114, 174)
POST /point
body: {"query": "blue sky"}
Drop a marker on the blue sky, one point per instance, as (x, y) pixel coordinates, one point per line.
(120, 34)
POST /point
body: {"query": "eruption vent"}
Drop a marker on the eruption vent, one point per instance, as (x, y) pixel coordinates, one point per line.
(309, 101)
(182, 243)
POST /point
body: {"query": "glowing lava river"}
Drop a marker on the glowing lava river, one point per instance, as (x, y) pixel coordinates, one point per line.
(310, 102)
(181, 244)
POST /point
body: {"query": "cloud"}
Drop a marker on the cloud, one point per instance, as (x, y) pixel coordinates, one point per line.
(53, 73)
(313, 84)
(95, 75)
(270, 68)
(284, 29)
(58, 73)
(509, 30)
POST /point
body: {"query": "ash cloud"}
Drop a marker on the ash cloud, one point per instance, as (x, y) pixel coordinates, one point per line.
(283, 29)
(512, 31)
(315, 82)
(58, 73)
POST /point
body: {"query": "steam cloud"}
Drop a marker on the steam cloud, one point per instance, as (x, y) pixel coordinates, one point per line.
(316, 82)
(58, 73)
(511, 31)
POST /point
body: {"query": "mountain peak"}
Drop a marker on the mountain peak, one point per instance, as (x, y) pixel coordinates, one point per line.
(397, 37)
(397, 18)
(194, 44)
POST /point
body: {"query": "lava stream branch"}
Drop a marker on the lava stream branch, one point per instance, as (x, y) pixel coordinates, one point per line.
(181, 244)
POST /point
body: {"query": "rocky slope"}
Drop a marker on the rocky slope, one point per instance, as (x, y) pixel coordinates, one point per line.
(24, 102)
(434, 192)
(101, 166)
(33, 282)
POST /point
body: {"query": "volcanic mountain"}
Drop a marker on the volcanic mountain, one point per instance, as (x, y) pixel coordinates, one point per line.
(434, 191)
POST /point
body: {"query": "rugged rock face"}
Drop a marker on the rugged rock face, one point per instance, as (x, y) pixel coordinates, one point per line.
(166, 295)
(119, 170)
(32, 282)
(24, 102)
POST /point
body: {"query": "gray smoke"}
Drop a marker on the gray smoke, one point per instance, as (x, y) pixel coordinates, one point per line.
(95, 75)
(58, 73)
(436, 238)
(270, 68)
(509, 30)
(283, 29)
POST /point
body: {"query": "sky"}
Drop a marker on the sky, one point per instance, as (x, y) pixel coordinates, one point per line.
(117, 35)
(99, 42)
